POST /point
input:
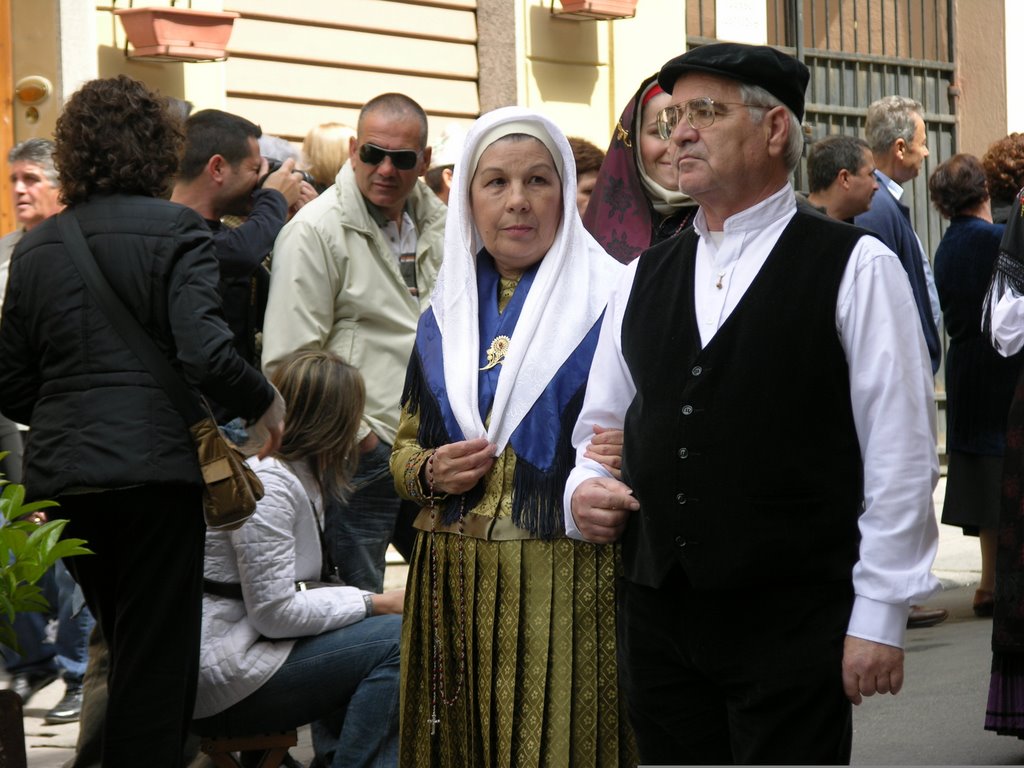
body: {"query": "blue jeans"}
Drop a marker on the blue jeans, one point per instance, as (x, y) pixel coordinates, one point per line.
(69, 653)
(344, 682)
(359, 529)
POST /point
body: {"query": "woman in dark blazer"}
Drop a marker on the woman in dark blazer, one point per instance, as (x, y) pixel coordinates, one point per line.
(106, 441)
(979, 381)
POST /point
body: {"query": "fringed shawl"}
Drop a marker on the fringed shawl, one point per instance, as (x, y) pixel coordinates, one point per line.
(1009, 267)
(542, 443)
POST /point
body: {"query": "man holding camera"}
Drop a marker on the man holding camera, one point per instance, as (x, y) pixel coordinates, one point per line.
(353, 271)
(222, 174)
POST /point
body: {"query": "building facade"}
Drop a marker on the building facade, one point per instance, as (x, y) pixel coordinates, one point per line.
(291, 66)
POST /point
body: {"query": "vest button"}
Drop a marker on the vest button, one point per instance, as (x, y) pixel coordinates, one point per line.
(687, 410)
(697, 370)
(683, 453)
(681, 498)
(680, 542)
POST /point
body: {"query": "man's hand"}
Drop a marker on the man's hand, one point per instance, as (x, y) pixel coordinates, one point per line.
(606, 448)
(287, 181)
(457, 467)
(275, 431)
(870, 668)
(601, 507)
(272, 423)
(307, 193)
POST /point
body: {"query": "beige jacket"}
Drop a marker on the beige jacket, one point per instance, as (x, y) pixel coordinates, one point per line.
(335, 284)
(7, 243)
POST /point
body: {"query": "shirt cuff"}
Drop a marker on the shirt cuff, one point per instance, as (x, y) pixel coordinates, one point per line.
(879, 622)
(576, 477)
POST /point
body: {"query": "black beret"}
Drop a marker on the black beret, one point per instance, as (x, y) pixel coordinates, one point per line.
(782, 76)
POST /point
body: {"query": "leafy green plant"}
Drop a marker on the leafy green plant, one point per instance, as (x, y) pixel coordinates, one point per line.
(27, 551)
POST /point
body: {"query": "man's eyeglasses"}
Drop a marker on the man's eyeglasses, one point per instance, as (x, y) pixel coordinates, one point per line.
(699, 113)
(402, 159)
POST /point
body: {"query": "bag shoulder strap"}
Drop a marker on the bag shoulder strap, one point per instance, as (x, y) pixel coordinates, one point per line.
(126, 325)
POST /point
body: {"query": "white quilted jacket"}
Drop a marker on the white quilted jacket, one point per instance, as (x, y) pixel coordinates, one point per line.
(245, 642)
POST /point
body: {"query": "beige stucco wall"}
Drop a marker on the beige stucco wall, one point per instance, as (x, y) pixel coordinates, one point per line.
(70, 41)
(581, 73)
(202, 84)
(1013, 11)
(497, 53)
(296, 65)
(35, 32)
(980, 75)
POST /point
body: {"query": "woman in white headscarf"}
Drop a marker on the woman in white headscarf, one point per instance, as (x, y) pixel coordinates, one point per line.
(508, 648)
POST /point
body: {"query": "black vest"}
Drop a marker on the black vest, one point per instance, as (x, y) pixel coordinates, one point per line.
(743, 455)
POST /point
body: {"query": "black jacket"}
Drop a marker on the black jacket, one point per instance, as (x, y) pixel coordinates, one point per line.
(244, 280)
(98, 419)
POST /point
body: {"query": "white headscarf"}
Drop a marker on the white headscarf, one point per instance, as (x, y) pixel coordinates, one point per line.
(567, 297)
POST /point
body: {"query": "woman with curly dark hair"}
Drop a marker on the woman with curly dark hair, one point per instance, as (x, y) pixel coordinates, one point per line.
(106, 441)
(1004, 170)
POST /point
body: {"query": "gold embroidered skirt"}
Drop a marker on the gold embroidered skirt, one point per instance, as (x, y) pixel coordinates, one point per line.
(536, 683)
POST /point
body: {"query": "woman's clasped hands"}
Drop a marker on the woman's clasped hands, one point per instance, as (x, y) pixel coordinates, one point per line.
(458, 467)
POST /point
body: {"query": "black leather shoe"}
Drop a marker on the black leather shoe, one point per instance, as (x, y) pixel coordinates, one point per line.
(925, 617)
(28, 684)
(67, 709)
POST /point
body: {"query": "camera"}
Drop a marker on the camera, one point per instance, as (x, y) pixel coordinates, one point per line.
(273, 164)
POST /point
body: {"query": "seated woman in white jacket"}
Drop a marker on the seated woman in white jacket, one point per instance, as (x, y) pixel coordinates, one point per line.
(277, 651)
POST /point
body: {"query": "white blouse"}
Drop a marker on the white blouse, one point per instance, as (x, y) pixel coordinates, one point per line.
(244, 642)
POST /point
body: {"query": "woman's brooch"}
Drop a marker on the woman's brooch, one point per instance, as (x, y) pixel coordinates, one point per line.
(496, 352)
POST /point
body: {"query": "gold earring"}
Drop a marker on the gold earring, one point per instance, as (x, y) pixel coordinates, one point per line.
(622, 135)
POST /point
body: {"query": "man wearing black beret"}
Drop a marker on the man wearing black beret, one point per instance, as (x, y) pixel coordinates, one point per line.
(775, 508)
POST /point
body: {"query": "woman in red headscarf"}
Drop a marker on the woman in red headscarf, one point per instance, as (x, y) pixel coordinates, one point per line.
(636, 202)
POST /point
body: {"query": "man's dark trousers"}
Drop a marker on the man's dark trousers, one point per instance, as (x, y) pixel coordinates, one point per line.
(726, 676)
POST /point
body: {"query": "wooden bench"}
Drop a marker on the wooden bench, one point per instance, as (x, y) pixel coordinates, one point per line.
(273, 746)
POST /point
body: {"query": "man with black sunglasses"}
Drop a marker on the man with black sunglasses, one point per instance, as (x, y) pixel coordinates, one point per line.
(352, 273)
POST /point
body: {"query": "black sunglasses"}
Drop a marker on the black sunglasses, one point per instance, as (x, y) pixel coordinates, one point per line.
(402, 159)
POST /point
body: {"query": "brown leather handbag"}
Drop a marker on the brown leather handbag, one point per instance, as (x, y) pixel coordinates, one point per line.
(230, 487)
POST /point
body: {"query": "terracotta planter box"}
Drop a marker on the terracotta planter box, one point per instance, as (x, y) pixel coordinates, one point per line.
(177, 33)
(596, 9)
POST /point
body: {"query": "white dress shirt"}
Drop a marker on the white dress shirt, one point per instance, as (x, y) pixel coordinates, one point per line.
(891, 392)
(1007, 322)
